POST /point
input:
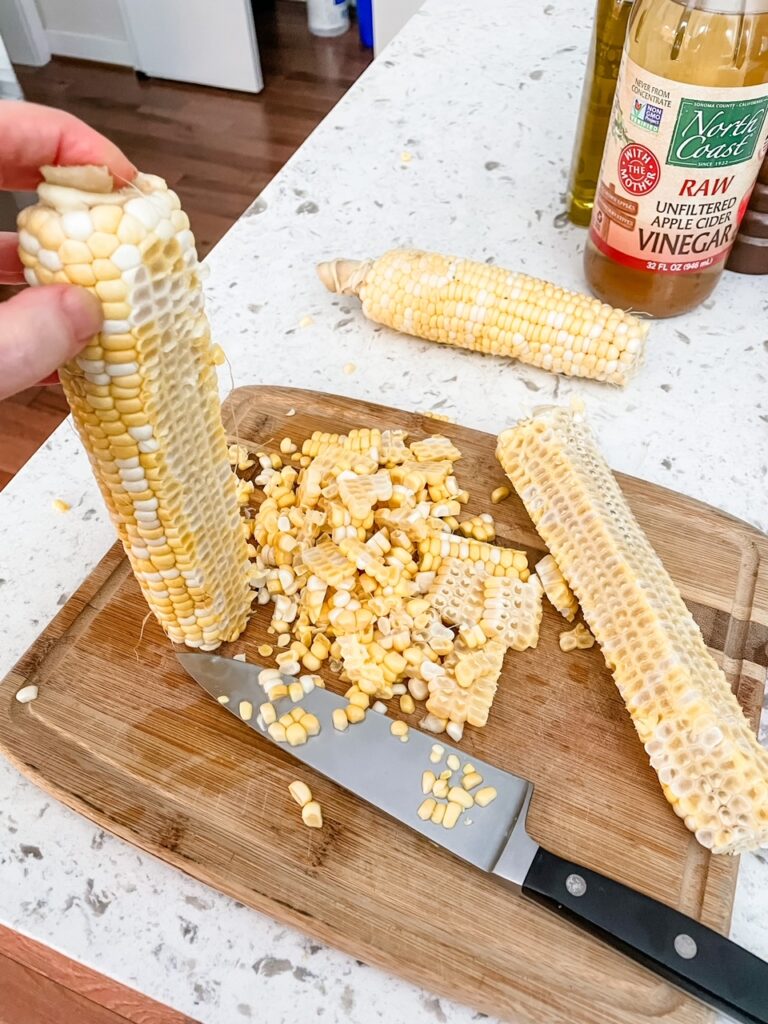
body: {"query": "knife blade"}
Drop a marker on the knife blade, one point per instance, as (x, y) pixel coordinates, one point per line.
(367, 760)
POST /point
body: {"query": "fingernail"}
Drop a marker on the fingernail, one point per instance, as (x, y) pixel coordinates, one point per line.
(83, 311)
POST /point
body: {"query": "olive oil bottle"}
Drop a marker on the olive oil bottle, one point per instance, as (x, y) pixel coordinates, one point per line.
(605, 51)
(688, 132)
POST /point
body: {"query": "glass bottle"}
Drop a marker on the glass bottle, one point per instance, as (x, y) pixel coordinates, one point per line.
(605, 51)
(688, 131)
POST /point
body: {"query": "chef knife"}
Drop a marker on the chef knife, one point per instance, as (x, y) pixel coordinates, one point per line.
(370, 762)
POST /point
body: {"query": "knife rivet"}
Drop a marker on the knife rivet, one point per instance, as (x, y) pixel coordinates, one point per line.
(685, 946)
(575, 885)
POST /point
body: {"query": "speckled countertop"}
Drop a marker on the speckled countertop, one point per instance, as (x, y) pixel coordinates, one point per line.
(483, 99)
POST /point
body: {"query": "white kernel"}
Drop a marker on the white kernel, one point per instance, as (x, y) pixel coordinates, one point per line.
(126, 257)
(77, 224)
(144, 211)
(27, 694)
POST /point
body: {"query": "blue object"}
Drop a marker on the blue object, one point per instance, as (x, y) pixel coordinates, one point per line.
(365, 22)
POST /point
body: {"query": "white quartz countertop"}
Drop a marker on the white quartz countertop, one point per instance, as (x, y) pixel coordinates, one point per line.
(483, 97)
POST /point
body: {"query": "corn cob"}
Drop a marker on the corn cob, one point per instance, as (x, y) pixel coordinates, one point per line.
(144, 394)
(489, 309)
(710, 765)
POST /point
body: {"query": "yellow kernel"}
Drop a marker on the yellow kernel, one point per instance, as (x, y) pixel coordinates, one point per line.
(500, 494)
(295, 692)
(440, 788)
(268, 713)
(361, 700)
(460, 796)
(426, 808)
(399, 729)
(484, 796)
(296, 734)
(60, 505)
(340, 720)
(471, 779)
(297, 714)
(245, 710)
(311, 815)
(427, 781)
(354, 713)
(310, 724)
(277, 732)
(407, 704)
(278, 692)
(265, 650)
(453, 762)
(437, 814)
(300, 792)
(452, 814)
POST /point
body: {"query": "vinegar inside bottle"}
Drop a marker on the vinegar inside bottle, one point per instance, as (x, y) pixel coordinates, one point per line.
(721, 43)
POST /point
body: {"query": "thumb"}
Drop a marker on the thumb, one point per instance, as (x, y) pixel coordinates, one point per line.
(40, 329)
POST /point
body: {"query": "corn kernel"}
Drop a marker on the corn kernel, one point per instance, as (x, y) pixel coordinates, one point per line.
(484, 796)
(312, 815)
(277, 732)
(268, 713)
(300, 792)
(340, 720)
(460, 796)
(426, 808)
(471, 779)
(296, 734)
(452, 814)
(438, 813)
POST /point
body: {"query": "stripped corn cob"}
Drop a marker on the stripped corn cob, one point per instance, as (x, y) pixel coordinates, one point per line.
(557, 590)
(144, 394)
(489, 309)
(710, 765)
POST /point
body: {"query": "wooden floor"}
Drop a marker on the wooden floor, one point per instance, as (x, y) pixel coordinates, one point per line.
(217, 149)
(39, 986)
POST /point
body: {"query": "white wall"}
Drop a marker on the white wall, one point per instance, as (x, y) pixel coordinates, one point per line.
(89, 29)
(389, 16)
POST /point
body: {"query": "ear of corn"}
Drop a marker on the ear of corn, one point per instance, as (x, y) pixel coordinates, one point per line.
(488, 309)
(710, 765)
(144, 395)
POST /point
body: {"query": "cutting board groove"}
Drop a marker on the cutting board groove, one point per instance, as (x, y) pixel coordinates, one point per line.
(123, 736)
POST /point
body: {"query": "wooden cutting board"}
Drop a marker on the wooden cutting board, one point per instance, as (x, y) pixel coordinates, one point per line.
(120, 733)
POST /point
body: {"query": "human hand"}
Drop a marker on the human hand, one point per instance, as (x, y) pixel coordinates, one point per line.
(44, 327)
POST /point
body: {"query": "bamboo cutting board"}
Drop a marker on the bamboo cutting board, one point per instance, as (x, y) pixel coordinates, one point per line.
(120, 733)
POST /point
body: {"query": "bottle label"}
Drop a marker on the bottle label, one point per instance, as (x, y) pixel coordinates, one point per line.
(679, 163)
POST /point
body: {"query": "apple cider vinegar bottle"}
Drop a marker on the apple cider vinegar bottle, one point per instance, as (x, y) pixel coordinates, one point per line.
(687, 136)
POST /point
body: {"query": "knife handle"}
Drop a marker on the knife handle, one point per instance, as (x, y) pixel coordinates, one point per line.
(694, 957)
